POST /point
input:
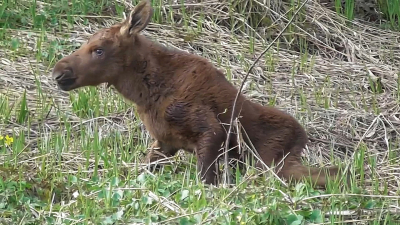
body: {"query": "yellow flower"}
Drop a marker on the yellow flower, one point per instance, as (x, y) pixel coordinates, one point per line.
(9, 140)
(1, 137)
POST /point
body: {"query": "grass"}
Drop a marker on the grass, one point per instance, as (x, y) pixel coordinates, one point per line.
(347, 10)
(74, 158)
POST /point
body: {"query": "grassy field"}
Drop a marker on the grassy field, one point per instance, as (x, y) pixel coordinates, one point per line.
(74, 158)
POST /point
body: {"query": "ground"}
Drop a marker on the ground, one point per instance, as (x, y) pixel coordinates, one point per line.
(74, 158)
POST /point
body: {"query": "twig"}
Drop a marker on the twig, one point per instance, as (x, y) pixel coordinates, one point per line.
(226, 174)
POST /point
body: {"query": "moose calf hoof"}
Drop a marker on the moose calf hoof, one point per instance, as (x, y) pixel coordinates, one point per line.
(154, 156)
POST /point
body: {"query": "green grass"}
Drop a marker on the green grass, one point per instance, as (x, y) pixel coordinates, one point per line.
(74, 157)
(391, 12)
(347, 10)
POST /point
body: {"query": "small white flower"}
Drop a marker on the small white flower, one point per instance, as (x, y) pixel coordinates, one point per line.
(75, 194)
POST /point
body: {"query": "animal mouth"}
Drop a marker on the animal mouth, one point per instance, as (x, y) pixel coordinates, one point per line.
(65, 79)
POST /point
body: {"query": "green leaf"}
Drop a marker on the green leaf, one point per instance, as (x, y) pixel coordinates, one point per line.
(184, 221)
(118, 215)
(370, 204)
(294, 219)
(147, 200)
(108, 220)
(118, 195)
(114, 181)
(316, 216)
(141, 178)
(73, 179)
(185, 194)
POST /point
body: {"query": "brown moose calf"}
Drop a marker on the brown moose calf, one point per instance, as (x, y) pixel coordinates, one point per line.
(182, 99)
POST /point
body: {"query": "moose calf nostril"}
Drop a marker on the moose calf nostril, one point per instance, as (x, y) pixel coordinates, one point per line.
(58, 75)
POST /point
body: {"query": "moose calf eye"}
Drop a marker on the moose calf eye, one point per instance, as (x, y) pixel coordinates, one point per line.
(99, 52)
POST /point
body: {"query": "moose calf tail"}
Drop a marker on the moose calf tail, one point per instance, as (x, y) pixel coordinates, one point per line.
(319, 176)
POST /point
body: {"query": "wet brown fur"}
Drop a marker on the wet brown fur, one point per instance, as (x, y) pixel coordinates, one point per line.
(182, 99)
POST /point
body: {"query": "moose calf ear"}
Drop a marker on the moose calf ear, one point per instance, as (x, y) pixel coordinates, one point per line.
(138, 18)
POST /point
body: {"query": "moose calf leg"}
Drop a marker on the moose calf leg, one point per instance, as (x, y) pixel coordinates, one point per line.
(159, 150)
(207, 151)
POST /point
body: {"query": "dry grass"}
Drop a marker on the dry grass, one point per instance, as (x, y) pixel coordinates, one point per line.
(328, 90)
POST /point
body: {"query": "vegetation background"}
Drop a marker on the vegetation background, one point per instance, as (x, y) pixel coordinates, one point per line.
(72, 158)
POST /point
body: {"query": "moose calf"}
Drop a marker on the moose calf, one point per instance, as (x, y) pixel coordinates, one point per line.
(183, 100)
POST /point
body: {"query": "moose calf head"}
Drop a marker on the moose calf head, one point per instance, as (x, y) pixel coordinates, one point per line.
(105, 55)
